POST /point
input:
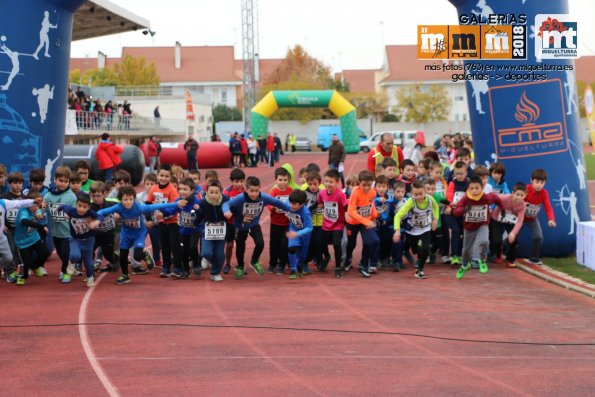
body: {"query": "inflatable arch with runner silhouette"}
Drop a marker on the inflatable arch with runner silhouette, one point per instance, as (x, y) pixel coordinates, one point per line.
(274, 100)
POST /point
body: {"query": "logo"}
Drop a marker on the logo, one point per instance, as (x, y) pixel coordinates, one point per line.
(528, 119)
(471, 42)
(556, 37)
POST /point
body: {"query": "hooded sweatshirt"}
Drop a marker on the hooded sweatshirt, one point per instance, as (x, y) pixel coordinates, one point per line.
(58, 219)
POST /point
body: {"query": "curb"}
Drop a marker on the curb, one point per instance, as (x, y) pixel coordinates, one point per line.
(544, 273)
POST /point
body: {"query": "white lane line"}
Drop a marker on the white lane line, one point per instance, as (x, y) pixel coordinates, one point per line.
(344, 357)
(107, 384)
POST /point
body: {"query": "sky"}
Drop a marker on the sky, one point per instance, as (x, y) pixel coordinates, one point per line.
(342, 34)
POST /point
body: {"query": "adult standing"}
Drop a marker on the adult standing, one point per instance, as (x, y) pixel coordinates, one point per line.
(292, 142)
(252, 150)
(191, 147)
(108, 157)
(235, 147)
(152, 148)
(278, 147)
(336, 156)
(287, 142)
(386, 148)
(271, 150)
(127, 113)
(157, 116)
(243, 151)
(262, 149)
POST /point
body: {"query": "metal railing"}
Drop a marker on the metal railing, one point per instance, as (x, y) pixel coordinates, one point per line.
(101, 121)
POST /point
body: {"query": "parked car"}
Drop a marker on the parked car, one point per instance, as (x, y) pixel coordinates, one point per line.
(402, 138)
(303, 143)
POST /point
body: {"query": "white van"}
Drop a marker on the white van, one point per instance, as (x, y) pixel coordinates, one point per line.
(402, 139)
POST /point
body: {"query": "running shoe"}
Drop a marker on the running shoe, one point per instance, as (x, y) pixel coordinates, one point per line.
(165, 274)
(455, 260)
(338, 273)
(205, 263)
(293, 275)
(97, 264)
(139, 270)
(483, 266)
(38, 272)
(226, 268)
(123, 279)
(20, 281)
(462, 270)
(420, 274)
(280, 270)
(43, 270)
(239, 273)
(66, 278)
(149, 260)
(257, 266)
(306, 269)
(535, 261)
(184, 275)
(71, 269)
(176, 274)
(347, 266)
(511, 265)
(91, 282)
(197, 271)
(475, 264)
(363, 271)
(445, 259)
(396, 266)
(217, 278)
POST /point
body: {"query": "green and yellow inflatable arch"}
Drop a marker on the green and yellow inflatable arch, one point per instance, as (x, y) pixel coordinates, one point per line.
(308, 99)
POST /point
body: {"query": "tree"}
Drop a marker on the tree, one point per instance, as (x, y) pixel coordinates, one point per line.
(368, 103)
(390, 118)
(132, 71)
(225, 113)
(298, 71)
(423, 103)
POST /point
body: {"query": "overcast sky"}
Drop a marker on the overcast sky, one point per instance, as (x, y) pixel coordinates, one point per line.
(344, 37)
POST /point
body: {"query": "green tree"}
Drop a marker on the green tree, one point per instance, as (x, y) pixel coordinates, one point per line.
(368, 103)
(132, 71)
(423, 103)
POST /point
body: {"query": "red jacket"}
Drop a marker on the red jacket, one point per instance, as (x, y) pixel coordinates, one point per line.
(114, 152)
(534, 202)
(103, 157)
(152, 148)
(270, 144)
(372, 159)
(244, 145)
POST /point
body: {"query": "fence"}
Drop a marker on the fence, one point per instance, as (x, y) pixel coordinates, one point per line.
(100, 121)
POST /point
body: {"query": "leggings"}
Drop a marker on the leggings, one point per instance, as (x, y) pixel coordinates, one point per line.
(62, 246)
(33, 257)
(189, 248)
(241, 237)
(169, 239)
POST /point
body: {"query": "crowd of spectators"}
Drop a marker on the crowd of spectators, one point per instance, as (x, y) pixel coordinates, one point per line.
(94, 114)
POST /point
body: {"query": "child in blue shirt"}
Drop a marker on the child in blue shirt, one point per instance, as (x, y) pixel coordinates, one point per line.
(83, 222)
(189, 228)
(246, 210)
(382, 204)
(133, 232)
(300, 231)
(31, 247)
(496, 179)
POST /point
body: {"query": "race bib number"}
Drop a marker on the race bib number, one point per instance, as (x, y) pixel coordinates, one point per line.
(295, 220)
(56, 214)
(186, 219)
(159, 198)
(11, 216)
(458, 196)
(532, 210)
(133, 223)
(331, 211)
(509, 218)
(440, 188)
(108, 224)
(421, 220)
(496, 189)
(381, 209)
(252, 210)
(477, 214)
(215, 230)
(80, 225)
(285, 199)
(365, 210)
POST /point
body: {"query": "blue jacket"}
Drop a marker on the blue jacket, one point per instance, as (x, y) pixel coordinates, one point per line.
(241, 206)
(300, 221)
(133, 222)
(499, 188)
(26, 229)
(383, 210)
(187, 216)
(79, 224)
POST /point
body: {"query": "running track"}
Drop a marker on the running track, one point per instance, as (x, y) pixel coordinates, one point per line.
(106, 357)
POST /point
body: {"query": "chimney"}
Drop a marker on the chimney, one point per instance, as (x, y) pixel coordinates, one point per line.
(178, 55)
(101, 60)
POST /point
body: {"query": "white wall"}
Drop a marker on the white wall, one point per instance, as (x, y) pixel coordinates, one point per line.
(219, 93)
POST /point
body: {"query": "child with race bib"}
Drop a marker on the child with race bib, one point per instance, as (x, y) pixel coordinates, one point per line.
(511, 221)
(455, 192)
(424, 214)
(246, 210)
(474, 207)
(537, 197)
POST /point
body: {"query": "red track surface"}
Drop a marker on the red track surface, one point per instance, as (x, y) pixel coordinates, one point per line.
(151, 360)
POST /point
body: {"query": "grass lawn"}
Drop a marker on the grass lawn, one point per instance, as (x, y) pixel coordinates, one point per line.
(590, 164)
(569, 266)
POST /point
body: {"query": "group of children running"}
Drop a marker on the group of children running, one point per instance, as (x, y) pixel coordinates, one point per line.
(401, 211)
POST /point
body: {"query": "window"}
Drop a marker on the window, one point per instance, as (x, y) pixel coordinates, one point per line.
(459, 98)
(202, 119)
(224, 96)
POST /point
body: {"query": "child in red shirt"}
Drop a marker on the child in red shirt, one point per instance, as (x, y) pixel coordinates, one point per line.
(536, 197)
(279, 223)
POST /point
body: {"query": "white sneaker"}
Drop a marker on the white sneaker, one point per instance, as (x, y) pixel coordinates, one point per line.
(445, 259)
(91, 282)
(205, 263)
(43, 270)
(217, 277)
(97, 264)
(71, 269)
